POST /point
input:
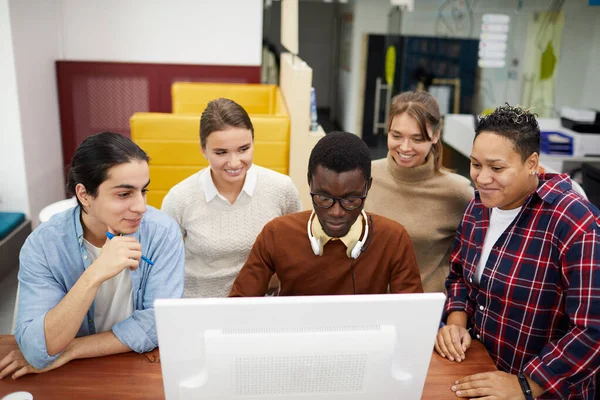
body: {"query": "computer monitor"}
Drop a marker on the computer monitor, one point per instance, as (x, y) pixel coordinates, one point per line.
(312, 347)
(591, 183)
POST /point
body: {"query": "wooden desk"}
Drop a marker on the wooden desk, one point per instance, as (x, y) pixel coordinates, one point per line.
(135, 376)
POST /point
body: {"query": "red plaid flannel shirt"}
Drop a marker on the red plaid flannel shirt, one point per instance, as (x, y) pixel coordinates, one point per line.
(537, 309)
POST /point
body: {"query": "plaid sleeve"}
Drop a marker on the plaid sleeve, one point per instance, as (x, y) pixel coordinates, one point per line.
(458, 292)
(575, 356)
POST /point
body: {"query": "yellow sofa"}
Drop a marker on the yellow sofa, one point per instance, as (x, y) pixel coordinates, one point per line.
(173, 143)
(192, 98)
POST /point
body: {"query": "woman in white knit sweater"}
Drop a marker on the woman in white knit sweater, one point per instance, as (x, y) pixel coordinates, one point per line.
(222, 209)
(411, 186)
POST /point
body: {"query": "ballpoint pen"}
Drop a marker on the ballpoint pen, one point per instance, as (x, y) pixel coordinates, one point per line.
(149, 261)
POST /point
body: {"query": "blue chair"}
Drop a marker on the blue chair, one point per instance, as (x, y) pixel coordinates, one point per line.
(14, 229)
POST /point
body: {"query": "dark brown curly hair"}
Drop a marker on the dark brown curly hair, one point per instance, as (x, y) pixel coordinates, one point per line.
(516, 124)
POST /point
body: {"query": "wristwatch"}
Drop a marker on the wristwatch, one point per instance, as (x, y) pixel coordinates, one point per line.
(525, 386)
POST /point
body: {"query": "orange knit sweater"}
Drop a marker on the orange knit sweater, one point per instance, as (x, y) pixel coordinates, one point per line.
(387, 261)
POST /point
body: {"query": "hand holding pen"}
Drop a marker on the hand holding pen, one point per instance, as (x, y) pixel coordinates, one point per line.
(117, 254)
(110, 235)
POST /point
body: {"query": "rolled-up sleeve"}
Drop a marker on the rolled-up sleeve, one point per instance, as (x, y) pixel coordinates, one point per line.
(164, 281)
(39, 292)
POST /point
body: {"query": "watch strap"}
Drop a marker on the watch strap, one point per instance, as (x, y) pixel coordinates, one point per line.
(525, 386)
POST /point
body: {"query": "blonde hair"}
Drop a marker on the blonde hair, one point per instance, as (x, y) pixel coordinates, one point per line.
(423, 107)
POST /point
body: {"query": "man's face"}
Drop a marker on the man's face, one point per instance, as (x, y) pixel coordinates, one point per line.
(336, 221)
(120, 202)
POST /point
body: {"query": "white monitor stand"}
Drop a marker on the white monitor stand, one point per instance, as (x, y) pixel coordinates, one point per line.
(319, 347)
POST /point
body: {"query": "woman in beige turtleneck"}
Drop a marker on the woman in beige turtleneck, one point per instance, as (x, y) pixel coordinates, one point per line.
(411, 186)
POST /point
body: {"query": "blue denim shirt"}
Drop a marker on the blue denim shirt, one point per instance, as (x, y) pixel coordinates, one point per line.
(52, 260)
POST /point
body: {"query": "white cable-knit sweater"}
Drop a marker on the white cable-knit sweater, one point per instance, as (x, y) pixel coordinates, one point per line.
(218, 236)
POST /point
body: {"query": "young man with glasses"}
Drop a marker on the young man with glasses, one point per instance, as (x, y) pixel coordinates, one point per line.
(337, 248)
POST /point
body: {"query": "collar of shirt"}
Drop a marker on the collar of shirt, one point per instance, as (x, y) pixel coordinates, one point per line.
(350, 240)
(210, 190)
(553, 185)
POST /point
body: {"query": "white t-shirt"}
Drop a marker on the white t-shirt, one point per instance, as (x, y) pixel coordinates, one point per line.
(114, 300)
(499, 221)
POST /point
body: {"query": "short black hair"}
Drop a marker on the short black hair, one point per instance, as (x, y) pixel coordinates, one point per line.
(96, 155)
(340, 152)
(517, 125)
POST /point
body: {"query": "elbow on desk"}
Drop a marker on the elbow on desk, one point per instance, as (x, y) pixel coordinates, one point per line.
(37, 357)
(52, 348)
(54, 351)
(34, 348)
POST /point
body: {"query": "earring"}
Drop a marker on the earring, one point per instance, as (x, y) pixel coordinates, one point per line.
(532, 172)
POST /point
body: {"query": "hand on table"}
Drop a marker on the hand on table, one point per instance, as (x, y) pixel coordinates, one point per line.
(489, 386)
(452, 342)
(15, 365)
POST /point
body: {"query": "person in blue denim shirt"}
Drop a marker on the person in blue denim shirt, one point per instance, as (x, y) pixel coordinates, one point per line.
(81, 294)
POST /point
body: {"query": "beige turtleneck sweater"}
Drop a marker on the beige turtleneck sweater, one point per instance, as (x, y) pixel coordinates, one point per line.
(430, 206)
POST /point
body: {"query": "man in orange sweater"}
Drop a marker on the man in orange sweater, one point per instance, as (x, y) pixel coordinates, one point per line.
(343, 250)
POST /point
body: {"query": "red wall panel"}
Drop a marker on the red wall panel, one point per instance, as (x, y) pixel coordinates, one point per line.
(102, 96)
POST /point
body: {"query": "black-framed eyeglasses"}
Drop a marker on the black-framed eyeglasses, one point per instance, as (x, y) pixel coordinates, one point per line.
(349, 203)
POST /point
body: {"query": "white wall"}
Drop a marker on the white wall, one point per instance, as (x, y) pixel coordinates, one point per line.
(576, 70)
(370, 16)
(36, 33)
(227, 32)
(591, 89)
(35, 36)
(574, 61)
(13, 184)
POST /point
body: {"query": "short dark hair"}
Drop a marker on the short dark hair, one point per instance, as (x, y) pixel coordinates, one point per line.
(340, 152)
(221, 114)
(96, 155)
(517, 125)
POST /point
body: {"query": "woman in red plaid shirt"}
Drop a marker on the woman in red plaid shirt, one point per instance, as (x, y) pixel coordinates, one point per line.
(525, 272)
